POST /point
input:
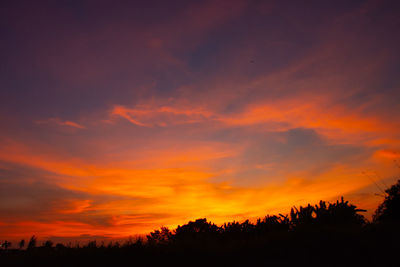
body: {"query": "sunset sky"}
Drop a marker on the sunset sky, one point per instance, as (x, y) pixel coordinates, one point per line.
(119, 117)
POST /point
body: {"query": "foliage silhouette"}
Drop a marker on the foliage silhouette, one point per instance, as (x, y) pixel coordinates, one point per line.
(32, 242)
(389, 210)
(158, 237)
(48, 244)
(21, 244)
(332, 216)
(6, 244)
(195, 231)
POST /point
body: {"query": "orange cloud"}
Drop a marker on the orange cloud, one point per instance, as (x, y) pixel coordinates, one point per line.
(309, 113)
(160, 116)
(61, 123)
(388, 154)
(339, 123)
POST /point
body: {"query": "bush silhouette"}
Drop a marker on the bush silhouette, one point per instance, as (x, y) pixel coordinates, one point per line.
(389, 210)
(6, 244)
(48, 244)
(21, 243)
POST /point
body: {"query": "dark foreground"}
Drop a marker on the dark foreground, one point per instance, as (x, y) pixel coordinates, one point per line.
(375, 247)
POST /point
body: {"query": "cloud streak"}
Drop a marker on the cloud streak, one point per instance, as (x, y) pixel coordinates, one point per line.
(151, 116)
(60, 122)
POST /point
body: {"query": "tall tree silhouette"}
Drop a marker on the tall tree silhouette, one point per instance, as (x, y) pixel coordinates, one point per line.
(389, 209)
(32, 242)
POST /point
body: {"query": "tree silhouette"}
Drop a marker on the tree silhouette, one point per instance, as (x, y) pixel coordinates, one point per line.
(21, 243)
(162, 236)
(389, 209)
(339, 214)
(32, 242)
(48, 244)
(336, 215)
(199, 229)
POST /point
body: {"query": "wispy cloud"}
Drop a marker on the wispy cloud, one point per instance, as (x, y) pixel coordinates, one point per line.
(149, 116)
(60, 122)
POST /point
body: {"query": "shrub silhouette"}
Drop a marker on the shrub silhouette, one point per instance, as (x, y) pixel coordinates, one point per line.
(389, 210)
(6, 244)
(48, 244)
(21, 243)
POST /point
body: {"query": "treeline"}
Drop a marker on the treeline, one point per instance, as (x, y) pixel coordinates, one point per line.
(325, 234)
(339, 216)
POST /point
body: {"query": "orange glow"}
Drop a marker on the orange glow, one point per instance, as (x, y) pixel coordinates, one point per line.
(171, 186)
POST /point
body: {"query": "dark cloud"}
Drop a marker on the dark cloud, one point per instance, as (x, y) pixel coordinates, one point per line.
(269, 155)
(302, 147)
(34, 200)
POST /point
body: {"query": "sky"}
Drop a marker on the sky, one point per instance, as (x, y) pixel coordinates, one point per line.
(119, 117)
